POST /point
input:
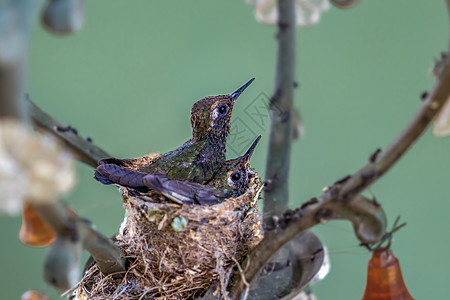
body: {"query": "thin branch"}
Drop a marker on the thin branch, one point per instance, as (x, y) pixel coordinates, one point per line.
(276, 196)
(15, 26)
(344, 196)
(10, 88)
(107, 255)
(83, 149)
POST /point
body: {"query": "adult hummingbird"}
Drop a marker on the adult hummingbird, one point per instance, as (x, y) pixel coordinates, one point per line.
(230, 181)
(197, 159)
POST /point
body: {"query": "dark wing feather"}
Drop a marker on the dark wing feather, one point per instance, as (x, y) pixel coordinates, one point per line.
(183, 192)
(179, 191)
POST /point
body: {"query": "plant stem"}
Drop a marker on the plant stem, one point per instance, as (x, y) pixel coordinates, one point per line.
(276, 198)
(83, 149)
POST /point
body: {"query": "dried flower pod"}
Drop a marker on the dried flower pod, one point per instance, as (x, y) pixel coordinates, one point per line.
(34, 231)
(345, 3)
(307, 11)
(33, 167)
(384, 278)
(34, 295)
(177, 251)
(63, 16)
(306, 295)
(62, 264)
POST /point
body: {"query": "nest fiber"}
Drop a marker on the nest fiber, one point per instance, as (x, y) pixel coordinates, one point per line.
(178, 251)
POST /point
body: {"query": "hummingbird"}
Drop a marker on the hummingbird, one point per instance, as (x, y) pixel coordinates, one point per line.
(197, 159)
(230, 181)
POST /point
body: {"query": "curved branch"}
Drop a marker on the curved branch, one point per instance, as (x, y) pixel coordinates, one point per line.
(345, 194)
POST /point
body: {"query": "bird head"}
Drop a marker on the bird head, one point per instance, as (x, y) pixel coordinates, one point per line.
(212, 115)
(235, 174)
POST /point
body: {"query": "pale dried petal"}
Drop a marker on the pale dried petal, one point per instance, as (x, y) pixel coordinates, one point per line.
(32, 167)
(305, 296)
(441, 125)
(307, 11)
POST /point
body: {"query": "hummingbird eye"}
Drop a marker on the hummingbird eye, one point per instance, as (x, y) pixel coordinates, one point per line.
(236, 176)
(221, 110)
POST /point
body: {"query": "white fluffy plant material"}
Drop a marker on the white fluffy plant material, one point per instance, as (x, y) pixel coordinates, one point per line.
(33, 168)
(307, 12)
(441, 125)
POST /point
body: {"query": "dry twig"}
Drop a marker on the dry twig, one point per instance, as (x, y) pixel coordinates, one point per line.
(82, 149)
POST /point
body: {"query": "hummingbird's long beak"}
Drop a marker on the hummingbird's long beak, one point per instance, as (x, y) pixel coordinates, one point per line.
(250, 150)
(234, 95)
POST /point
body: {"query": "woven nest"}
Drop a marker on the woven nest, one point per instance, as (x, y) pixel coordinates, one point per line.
(178, 251)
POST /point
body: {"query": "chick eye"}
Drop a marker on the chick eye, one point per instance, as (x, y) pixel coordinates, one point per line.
(222, 109)
(236, 176)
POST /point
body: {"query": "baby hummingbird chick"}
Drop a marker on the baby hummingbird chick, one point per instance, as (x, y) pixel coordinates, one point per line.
(230, 181)
(198, 159)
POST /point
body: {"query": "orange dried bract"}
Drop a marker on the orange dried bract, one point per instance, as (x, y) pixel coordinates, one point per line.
(34, 231)
(384, 278)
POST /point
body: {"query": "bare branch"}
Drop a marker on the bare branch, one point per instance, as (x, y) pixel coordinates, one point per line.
(276, 196)
(106, 254)
(15, 26)
(10, 89)
(82, 149)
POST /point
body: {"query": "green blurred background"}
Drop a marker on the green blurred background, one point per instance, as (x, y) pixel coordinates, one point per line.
(129, 78)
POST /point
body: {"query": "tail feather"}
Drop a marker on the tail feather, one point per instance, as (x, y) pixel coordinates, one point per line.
(102, 179)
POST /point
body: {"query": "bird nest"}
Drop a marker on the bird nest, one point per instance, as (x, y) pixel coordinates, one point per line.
(178, 251)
